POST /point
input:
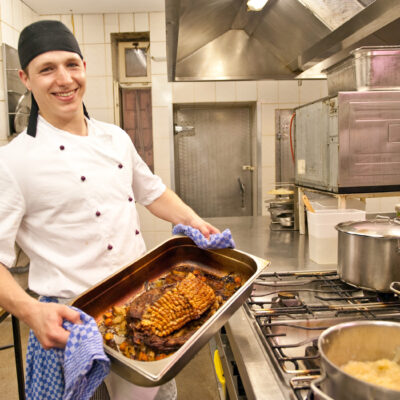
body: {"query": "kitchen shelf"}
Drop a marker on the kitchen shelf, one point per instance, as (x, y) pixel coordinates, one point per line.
(341, 200)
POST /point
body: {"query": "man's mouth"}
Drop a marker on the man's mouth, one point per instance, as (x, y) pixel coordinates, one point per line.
(65, 94)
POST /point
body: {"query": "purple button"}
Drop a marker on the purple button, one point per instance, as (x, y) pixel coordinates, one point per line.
(98, 213)
(120, 165)
(83, 178)
(62, 147)
(137, 232)
(109, 247)
(130, 198)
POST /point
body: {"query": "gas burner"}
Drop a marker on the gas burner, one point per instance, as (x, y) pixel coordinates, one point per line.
(312, 351)
(291, 310)
(286, 299)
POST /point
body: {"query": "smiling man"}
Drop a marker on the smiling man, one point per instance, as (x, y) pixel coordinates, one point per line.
(69, 185)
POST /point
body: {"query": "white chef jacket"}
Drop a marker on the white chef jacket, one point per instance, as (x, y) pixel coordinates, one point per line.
(69, 202)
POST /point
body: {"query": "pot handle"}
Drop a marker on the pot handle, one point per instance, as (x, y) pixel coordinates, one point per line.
(316, 390)
(394, 289)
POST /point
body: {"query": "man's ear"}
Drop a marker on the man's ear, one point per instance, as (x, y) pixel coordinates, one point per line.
(23, 76)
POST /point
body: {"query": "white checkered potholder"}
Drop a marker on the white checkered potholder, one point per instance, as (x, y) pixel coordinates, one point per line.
(71, 373)
(216, 240)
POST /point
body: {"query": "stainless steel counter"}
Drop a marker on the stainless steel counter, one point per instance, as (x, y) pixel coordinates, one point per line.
(287, 251)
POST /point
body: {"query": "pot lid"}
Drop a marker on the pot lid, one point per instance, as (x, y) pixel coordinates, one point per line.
(383, 227)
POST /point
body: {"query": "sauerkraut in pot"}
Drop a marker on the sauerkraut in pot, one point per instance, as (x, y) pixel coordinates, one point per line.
(381, 372)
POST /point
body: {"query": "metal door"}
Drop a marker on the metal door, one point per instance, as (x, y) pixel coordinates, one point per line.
(213, 165)
(137, 122)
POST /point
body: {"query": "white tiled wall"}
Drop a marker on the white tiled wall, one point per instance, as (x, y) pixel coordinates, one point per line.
(93, 34)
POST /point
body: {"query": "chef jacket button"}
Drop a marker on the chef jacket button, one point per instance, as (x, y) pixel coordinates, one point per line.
(98, 213)
(137, 232)
(83, 178)
(130, 198)
(62, 147)
(109, 247)
(120, 166)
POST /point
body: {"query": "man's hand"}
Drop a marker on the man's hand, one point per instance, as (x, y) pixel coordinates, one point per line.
(46, 322)
(204, 227)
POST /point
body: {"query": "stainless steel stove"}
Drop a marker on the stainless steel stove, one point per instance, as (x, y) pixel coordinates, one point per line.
(270, 344)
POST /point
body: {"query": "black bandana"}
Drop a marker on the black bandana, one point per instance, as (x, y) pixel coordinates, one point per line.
(38, 38)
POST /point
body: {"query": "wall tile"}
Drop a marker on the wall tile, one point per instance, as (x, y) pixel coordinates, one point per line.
(267, 91)
(161, 91)
(78, 27)
(66, 19)
(146, 218)
(96, 93)
(93, 28)
(126, 23)
(110, 91)
(17, 15)
(95, 55)
(110, 26)
(102, 114)
(165, 175)
(3, 142)
(3, 121)
(158, 49)
(373, 205)
(204, 92)
(108, 62)
(7, 35)
(183, 92)
(141, 22)
(158, 67)
(246, 91)
(268, 151)
(162, 122)
(225, 91)
(2, 94)
(288, 92)
(161, 153)
(53, 17)
(388, 204)
(310, 90)
(7, 11)
(157, 27)
(268, 119)
(27, 15)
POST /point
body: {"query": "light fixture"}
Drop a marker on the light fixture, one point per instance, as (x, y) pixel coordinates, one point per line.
(255, 5)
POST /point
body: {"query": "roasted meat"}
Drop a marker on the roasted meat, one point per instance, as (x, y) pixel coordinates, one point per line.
(187, 301)
(170, 310)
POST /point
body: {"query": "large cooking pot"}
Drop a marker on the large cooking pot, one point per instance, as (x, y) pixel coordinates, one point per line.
(369, 253)
(359, 341)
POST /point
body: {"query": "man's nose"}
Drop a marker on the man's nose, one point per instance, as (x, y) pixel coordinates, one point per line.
(63, 76)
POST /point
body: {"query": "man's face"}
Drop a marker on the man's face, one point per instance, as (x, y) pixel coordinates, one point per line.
(57, 79)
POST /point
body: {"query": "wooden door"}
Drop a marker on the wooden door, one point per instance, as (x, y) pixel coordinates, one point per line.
(137, 121)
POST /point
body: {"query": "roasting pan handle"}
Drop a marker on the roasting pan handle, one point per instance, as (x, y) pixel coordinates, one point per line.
(316, 390)
(394, 289)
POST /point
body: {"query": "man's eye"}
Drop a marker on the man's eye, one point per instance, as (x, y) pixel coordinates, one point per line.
(44, 70)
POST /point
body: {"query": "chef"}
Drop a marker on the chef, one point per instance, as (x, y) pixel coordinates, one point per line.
(69, 184)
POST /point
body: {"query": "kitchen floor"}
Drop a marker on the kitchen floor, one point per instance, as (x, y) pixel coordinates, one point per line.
(287, 250)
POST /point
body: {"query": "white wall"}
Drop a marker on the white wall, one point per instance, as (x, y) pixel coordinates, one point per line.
(93, 34)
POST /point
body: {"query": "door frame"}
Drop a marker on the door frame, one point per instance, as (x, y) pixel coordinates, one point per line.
(255, 137)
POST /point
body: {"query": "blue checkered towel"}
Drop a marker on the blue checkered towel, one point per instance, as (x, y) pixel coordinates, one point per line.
(69, 374)
(216, 240)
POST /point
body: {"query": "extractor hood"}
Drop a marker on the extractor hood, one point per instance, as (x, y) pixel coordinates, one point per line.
(212, 40)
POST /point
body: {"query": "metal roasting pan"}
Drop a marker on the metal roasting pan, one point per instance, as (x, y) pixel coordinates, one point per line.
(123, 285)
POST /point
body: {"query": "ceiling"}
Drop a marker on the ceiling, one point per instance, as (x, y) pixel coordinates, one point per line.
(49, 7)
(222, 40)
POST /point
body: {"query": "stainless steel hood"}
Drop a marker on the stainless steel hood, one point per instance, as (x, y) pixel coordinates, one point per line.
(220, 40)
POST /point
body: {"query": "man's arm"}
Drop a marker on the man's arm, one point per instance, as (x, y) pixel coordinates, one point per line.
(44, 319)
(171, 208)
